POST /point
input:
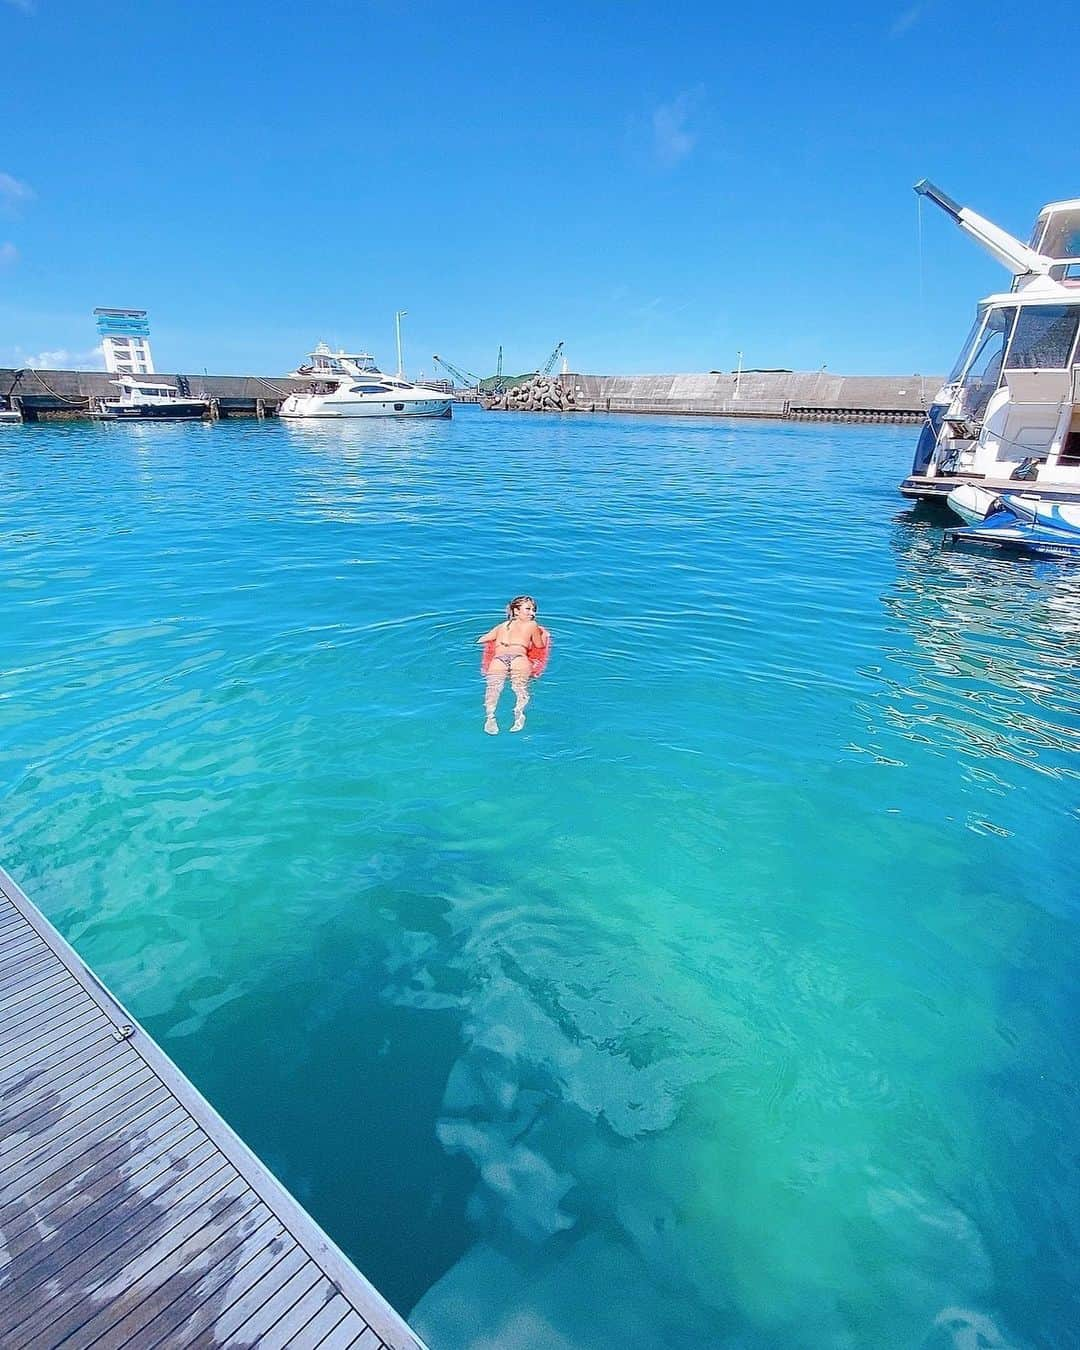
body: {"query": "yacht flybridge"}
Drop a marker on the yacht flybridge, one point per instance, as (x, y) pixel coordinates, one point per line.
(350, 384)
(1008, 417)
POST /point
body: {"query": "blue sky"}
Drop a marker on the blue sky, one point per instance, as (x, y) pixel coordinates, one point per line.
(657, 185)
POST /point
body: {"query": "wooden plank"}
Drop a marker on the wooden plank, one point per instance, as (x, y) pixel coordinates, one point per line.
(18, 952)
(172, 1252)
(284, 1333)
(32, 969)
(58, 1077)
(72, 1212)
(31, 1026)
(38, 986)
(32, 1038)
(330, 1316)
(87, 1040)
(253, 1314)
(59, 1183)
(181, 1323)
(82, 1130)
(114, 1263)
(57, 1046)
(25, 941)
(40, 970)
(347, 1332)
(34, 1000)
(33, 1041)
(61, 1095)
(368, 1340)
(81, 1148)
(166, 1285)
(79, 1254)
(23, 1212)
(86, 1111)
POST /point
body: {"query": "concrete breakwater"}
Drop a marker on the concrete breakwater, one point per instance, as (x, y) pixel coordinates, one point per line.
(806, 396)
(802, 395)
(78, 393)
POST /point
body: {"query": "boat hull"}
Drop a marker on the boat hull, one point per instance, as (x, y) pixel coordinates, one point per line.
(181, 412)
(304, 408)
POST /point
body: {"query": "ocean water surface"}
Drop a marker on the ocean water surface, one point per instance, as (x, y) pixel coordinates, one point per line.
(731, 1004)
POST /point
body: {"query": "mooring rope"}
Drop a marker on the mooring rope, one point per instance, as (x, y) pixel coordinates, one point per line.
(85, 398)
(281, 393)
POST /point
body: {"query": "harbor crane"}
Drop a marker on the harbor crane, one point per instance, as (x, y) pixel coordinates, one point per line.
(550, 365)
(464, 377)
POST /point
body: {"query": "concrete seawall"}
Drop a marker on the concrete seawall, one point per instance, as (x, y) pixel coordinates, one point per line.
(75, 393)
(815, 395)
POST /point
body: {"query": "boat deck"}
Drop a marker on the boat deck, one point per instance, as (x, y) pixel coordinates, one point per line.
(920, 487)
(130, 1214)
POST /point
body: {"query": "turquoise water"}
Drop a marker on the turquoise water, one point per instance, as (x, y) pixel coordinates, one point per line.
(729, 1004)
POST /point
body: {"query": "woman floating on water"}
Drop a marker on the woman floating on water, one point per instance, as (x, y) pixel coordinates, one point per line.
(517, 648)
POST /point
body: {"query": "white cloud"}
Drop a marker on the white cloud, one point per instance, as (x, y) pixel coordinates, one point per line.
(8, 253)
(672, 139)
(60, 359)
(906, 19)
(13, 191)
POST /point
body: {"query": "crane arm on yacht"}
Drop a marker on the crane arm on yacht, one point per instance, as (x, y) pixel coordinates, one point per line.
(1006, 248)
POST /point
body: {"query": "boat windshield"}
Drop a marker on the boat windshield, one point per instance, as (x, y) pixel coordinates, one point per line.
(982, 371)
(1058, 233)
(965, 351)
(1044, 337)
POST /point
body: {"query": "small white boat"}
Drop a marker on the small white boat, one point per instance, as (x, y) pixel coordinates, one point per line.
(142, 400)
(350, 384)
(9, 414)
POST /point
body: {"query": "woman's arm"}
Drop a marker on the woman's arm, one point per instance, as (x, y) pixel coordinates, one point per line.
(538, 638)
(490, 635)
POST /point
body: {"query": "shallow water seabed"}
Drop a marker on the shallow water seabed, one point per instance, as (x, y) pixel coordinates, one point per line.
(728, 1004)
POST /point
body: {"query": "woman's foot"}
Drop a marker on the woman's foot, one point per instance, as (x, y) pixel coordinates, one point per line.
(491, 727)
(519, 722)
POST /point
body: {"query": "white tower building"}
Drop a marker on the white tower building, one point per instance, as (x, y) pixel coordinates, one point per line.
(125, 340)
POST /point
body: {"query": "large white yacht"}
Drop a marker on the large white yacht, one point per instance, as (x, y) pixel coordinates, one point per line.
(1008, 417)
(350, 384)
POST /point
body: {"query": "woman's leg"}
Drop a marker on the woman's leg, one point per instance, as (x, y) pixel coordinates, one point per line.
(496, 678)
(520, 673)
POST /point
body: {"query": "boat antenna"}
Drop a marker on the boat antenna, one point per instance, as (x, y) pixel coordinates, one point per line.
(921, 322)
(397, 326)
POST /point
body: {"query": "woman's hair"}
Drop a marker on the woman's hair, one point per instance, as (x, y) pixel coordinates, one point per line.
(517, 600)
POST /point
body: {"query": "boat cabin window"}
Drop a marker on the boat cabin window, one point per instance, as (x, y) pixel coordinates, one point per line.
(982, 374)
(965, 351)
(370, 389)
(1044, 337)
(1062, 236)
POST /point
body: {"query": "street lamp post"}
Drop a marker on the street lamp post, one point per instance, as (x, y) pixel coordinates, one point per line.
(738, 377)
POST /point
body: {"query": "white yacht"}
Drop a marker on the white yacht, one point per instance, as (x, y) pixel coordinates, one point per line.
(350, 384)
(145, 400)
(1008, 417)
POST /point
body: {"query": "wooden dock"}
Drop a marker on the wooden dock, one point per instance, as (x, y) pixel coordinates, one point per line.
(130, 1213)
